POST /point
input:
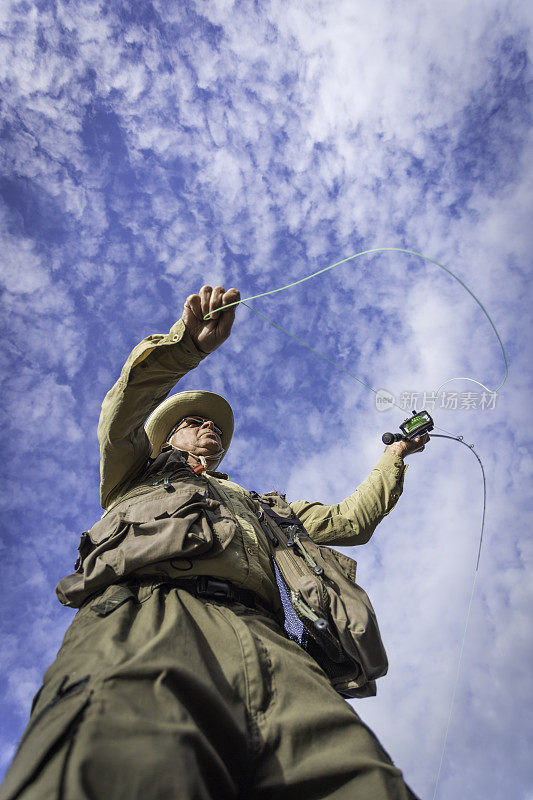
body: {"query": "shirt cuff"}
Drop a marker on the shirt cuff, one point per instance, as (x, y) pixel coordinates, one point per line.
(182, 351)
(393, 467)
(179, 334)
(392, 462)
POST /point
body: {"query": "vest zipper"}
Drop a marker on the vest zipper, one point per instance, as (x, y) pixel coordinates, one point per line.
(215, 492)
(295, 539)
(307, 611)
(293, 560)
(321, 626)
(301, 608)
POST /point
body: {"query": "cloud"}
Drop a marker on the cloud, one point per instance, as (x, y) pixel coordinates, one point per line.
(148, 149)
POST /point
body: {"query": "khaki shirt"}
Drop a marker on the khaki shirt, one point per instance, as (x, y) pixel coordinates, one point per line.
(153, 368)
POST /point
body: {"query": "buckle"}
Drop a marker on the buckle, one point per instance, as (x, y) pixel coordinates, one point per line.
(290, 528)
(213, 587)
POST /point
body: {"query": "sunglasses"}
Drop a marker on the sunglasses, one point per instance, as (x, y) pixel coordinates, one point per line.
(195, 422)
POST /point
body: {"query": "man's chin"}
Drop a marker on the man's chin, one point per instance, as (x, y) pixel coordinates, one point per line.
(211, 454)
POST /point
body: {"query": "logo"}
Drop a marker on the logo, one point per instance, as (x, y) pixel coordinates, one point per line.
(384, 400)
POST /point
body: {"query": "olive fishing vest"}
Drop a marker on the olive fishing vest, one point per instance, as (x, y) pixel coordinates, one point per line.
(169, 512)
(338, 624)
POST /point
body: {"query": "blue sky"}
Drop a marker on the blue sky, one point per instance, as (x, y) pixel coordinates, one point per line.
(150, 148)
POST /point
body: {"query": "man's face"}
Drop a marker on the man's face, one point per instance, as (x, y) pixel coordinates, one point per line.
(200, 437)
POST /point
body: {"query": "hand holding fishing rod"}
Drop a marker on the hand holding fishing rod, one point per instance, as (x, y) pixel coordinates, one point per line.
(414, 435)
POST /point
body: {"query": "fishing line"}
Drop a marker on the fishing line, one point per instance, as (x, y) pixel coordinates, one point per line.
(390, 250)
(452, 702)
(445, 435)
(367, 385)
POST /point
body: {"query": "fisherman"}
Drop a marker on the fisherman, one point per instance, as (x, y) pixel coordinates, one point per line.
(177, 678)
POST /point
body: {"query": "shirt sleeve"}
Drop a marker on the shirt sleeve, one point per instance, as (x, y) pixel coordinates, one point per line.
(354, 520)
(154, 366)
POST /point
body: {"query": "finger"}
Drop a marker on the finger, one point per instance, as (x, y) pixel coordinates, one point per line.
(231, 296)
(224, 299)
(228, 316)
(420, 442)
(194, 304)
(424, 440)
(205, 296)
(216, 299)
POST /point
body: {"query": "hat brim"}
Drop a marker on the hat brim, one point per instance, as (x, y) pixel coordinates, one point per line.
(184, 404)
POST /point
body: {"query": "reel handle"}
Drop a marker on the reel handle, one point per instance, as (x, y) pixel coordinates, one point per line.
(389, 438)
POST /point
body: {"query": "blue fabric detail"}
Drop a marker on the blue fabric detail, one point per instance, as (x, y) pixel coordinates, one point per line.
(293, 626)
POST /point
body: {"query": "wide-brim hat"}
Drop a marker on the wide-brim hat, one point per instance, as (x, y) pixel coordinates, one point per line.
(189, 404)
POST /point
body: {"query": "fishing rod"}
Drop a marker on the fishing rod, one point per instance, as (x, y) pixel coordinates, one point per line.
(416, 425)
(420, 423)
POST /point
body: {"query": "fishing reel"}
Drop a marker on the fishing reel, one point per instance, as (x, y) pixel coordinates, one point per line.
(420, 423)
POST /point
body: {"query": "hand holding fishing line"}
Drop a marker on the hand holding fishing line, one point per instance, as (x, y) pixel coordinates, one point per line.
(207, 331)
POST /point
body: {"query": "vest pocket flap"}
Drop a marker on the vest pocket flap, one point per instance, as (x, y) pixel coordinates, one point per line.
(163, 505)
(50, 730)
(347, 564)
(112, 599)
(102, 530)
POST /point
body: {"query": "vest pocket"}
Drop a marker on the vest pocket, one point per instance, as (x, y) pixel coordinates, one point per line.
(181, 521)
(157, 526)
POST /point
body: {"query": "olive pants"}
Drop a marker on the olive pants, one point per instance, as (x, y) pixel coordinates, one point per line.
(159, 694)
